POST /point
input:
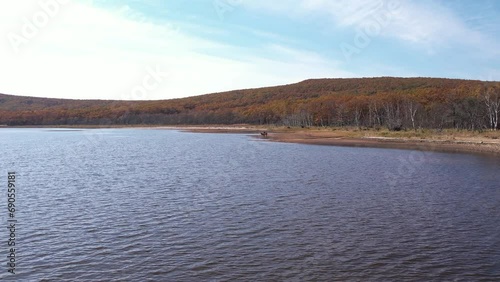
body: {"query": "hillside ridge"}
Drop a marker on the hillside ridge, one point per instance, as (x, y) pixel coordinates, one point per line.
(370, 102)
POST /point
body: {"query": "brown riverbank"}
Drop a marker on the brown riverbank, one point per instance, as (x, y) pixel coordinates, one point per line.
(446, 141)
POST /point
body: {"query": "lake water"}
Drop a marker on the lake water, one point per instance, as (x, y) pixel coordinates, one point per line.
(160, 205)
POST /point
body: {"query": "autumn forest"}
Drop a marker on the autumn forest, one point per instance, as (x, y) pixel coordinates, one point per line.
(393, 103)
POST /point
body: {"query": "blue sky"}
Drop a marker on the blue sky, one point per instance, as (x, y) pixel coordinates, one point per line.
(153, 49)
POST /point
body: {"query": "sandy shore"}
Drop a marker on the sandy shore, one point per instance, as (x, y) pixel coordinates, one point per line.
(464, 146)
(468, 143)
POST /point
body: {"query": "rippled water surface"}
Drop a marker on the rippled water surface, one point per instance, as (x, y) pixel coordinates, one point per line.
(158, 205)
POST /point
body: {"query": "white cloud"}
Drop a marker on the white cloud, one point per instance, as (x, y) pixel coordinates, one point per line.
(88, 52)
(427, 25)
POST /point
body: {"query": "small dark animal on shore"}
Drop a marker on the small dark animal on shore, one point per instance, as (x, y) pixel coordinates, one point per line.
(264, 133)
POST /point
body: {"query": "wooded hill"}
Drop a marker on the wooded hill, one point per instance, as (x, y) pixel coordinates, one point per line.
(395, 103)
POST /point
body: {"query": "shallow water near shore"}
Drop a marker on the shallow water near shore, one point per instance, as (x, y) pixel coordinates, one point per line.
(164, 205)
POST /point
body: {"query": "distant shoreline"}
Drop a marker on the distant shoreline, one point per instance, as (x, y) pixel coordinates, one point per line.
(486, 143)
(466, 143)
(492, 149)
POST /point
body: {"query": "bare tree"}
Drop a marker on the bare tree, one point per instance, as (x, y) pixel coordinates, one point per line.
(491, 98)
(411, 107)
(357, 116)
(374, 113)
(393, 116)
